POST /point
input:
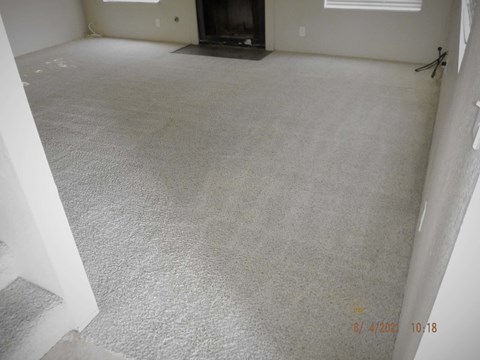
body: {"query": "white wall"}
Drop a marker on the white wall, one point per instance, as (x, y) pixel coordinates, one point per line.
(398, 36)
(16, 222)
(37, 24)
(137, 21)
(456, 311)
(411, 37)
(32, 219)
(452, 174)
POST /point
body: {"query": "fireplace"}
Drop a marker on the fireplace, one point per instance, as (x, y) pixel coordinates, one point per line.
(232, 22)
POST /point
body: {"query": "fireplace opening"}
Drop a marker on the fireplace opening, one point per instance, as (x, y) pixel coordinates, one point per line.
(232, 22)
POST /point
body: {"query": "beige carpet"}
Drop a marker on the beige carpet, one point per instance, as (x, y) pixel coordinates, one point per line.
(73, 347)
(230, 209)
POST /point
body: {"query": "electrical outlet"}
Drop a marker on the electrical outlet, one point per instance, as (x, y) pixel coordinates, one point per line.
(302, 31)
(422, 217)
(157, 23)
(476, 129)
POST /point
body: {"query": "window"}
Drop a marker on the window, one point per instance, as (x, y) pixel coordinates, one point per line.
(468, 10)
(146, 1)
(390, 5)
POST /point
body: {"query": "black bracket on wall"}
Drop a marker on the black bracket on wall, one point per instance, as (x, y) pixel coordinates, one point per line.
(440, 61)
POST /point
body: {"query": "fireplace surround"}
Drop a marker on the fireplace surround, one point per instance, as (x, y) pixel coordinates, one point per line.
(231, 22)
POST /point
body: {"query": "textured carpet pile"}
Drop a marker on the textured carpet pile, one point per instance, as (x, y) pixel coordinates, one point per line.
(230, 209)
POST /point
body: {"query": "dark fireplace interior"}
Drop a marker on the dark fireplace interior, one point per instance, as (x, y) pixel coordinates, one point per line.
(232, 22)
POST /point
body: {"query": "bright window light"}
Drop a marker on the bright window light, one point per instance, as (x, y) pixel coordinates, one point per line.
(468, 10)
(134, 1)
(389, 5)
